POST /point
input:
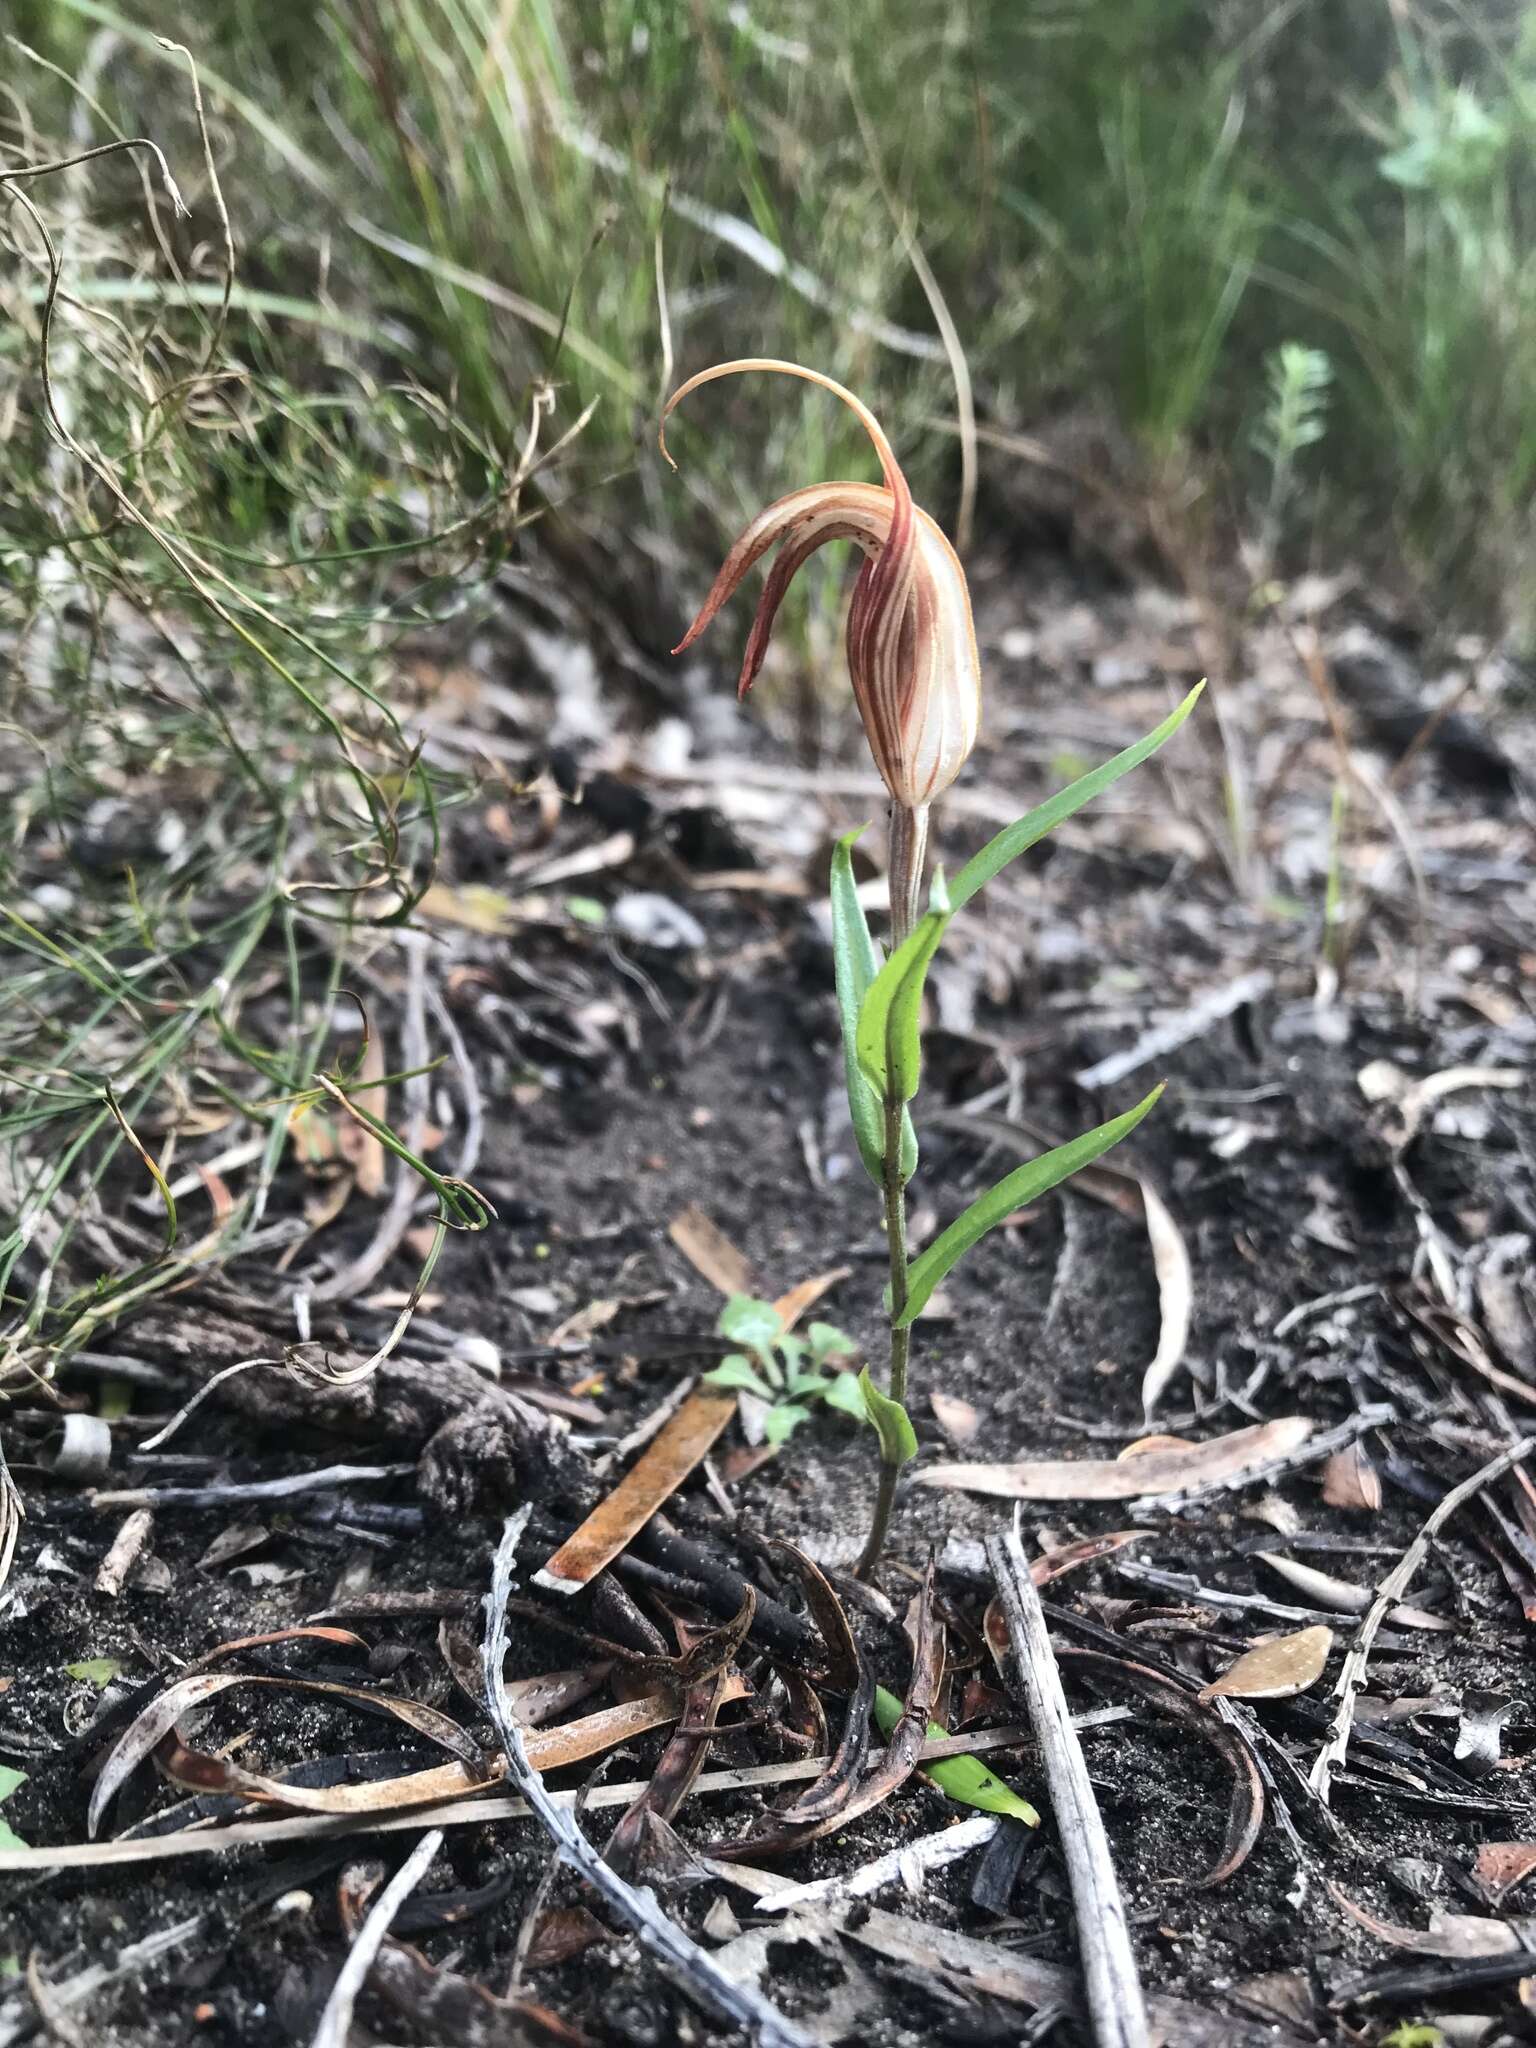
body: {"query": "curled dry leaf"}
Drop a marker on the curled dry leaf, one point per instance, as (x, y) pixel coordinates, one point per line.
(1245, 1815)
(1322, 1589)
(156, 1720)
(1350, 1480)
(1224, 1461)
(1277, 1669)
(1175, 1294)
(839, 1797)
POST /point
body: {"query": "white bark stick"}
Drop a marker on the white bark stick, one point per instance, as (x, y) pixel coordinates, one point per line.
(1115, 2004)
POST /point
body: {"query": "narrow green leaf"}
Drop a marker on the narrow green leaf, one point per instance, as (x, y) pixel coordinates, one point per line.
(735, 1371)
(855, 963)
(888, 1042)
(10, 1779)
(1017, 838)
(890, 1422)
(963, 1778)
(1036, 1177)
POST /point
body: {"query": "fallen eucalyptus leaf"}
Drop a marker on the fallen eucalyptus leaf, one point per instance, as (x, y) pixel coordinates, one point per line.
(1277, 1669)
(1222, 1461)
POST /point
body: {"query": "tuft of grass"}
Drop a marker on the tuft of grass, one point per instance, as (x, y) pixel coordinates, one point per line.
(212, 543)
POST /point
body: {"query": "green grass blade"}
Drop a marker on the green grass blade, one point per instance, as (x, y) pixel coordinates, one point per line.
(964, 1778)
(1018, 838)
(1025, 1184)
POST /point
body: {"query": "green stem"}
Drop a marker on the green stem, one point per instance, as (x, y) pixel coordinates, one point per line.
(908, 851)
(901, 1339)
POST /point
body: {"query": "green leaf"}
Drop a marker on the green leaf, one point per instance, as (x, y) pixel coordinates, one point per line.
(737, 1371)
(855, 964)
(888, 1041)
(827, 1341)
(1023, 1185)
(9, 1839)
(780, 1423)
(10, 1965)
(748, 1321)
(890, 1422)
(842, 1390)
(98, 1671)
(586, 910)
(10, 1778)
(1019, 837)
(791, 1349)
(965, 1778)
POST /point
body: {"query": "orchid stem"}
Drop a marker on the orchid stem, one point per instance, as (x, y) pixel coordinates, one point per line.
(908, 853)
(901, 1339)
(908, 849)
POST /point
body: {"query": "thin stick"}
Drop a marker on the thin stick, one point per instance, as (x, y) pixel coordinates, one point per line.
(1115, 2003)
(696, 1972)
(336, 2020)
(1391, 1590)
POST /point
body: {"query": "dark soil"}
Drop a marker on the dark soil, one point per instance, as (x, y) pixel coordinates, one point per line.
(623, 1082)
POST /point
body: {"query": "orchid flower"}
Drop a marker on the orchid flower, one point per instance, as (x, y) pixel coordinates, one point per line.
(912, 654)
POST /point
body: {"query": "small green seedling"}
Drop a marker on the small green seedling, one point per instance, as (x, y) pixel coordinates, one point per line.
(10, 1779)
(787, 1371)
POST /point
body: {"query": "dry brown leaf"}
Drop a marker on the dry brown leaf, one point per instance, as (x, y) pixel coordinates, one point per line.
(1503, 1865)
(1143, 1444)
(1222, 1461)
(1277, 1669)
(549, 1749)
(656, 1474)
(709, 1251)
(1350, 1480)
(958, 1419)
(792, 1306)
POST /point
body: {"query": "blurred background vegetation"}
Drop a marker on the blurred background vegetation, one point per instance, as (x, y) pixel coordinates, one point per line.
(1246, 285)
(1129, 208)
